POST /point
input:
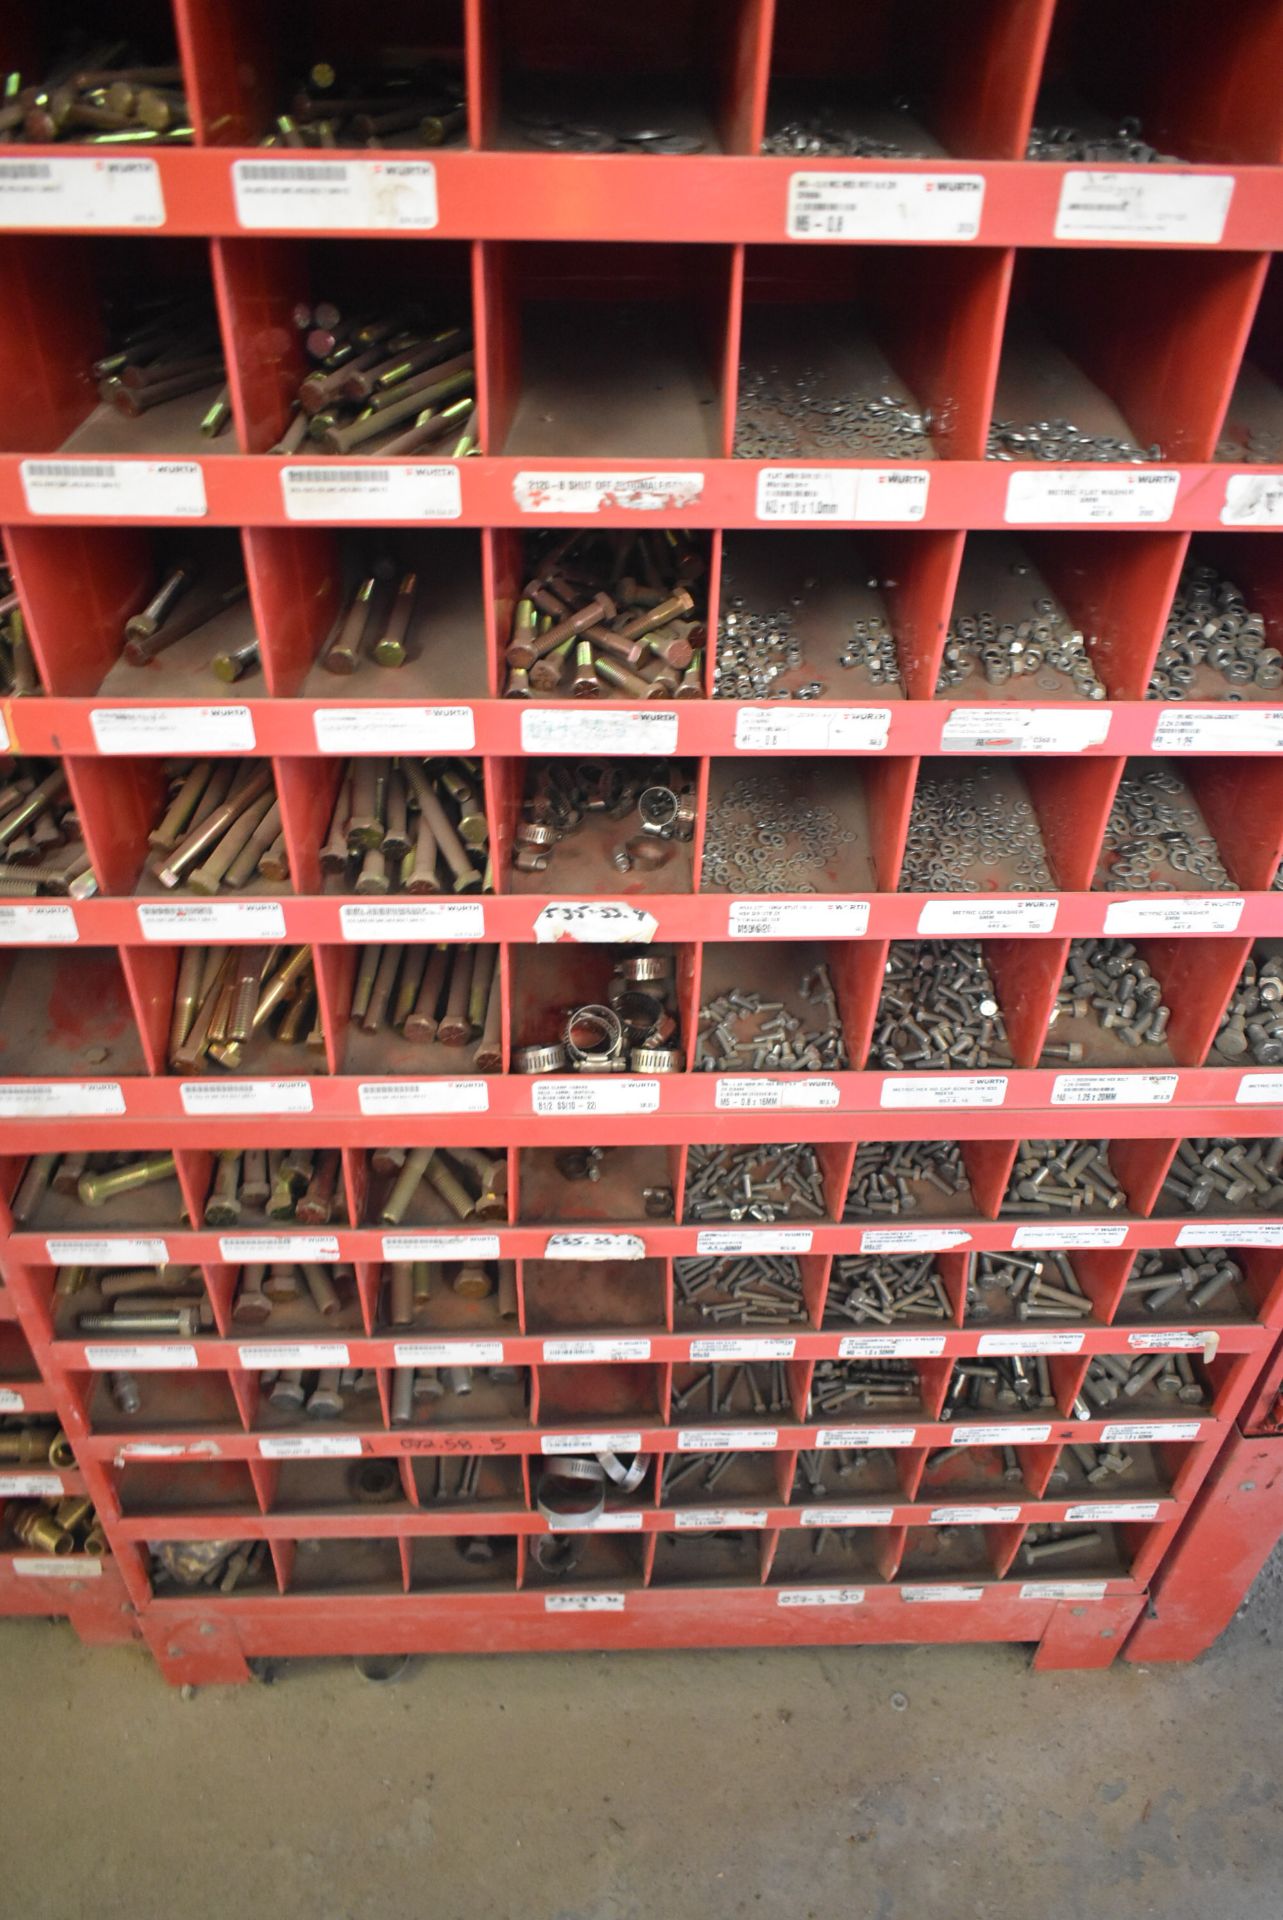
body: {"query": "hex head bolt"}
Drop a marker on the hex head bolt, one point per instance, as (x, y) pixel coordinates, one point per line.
(179, 1320)
(343, 655)
(325, 1402)
(315, 1206)
(34, 804)
(649, 619)
(234, 662)
(414, 397)
(248, 861)
(406, 1186)
(32, 1187)
(451, 1190)
(401, 1293)
(211, 830)
(421, 1023)
(333, 856)
(223, 1207)
(96, 1189)
(142, 625)
(287, 1391)
(251, 1303)
(466, 877)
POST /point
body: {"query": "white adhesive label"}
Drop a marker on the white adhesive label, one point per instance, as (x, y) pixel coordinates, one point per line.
(594, 923)
(263, 1355)
(1253, 500)
(569, 1351)
(725, 1439)
(768, 1346)
(687, 1519)
(626, 1521)
(857, 1437)
(1129, 1430)
(595, 1246)
(1259, 1090)
(962, 1090)
(797, 919)
(172, 729)
(1175, 1340)
(640, 492)
(843, 493)
(1232, 1233)
(972, 1516)
(1114, 1510)
(583, 1603)
(343, 490)
(440, 1246)
(885, 206)
(1067, 729)
(1046, 499)
(1187, 209)
(1063, 1590)
(999, 1436)
(308, 1446)
(448, 1353)
(812, 729)
(423, 1096)
(114, 489)
(890, 1346)
(988, 916)
(120, 191)
(66, 1250)
(278, 1246)
(38, 926)
(11, 1401)
(765, 1095)
(197, 920)
(846, 1516)
(1245, 729)
(912, 1239)
(590, 1443)
(1113, 1089)
(245, 1096)
(1058, 1238)
(820, 1596)
(60, 1099)
(77, 1566)
(606, 730)
(335, 196)
(395, 729)
(1026, 1343)
(167, 1450)
(33, 1485)
(135, 1359)
(1218, 915)
(769, 1240)
(941, 1594)
(413, 920)
(609, 1094)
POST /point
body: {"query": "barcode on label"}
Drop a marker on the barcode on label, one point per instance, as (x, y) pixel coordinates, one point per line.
(277, 170)
(25, 170)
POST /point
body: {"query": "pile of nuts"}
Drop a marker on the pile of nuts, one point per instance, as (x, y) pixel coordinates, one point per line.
(968, 830)
(1045, 643)
(754, 1183)
(766, 834)
(778, 416)
(608, 126)
(396, 377)
(1061, 440)
(938, 1009)
(758, 652)
(1225, 1173)
(637, 1031)
(1125, 146)
(1253, 1020)
(1155, 831)
(561, 793)
(741, 1031)
(1210, 624)
(886, 1173)
(823, 131)
(397, 822)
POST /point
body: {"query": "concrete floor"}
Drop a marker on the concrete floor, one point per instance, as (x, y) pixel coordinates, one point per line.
(649, 1787)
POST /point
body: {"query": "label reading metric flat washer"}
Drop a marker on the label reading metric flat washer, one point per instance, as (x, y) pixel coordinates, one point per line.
(797, 919)
(423, 1096)
(1246, 729)
(1220, 914)
(1259, 1090)
(1186, 209)
(759, 1094)
(610, 730)
(197, 920)
(1113, 1089)
(1063, 496)
(1013, 729)
(61, 1099)
(988, 916)
(640, 492)
(335, 196)
(120, 191)
(960, 1090)
(768, 1240)
(158, 729)
(38, 926)
(245, 1096)
(820, 1597)
(413, 920)
(553, 1099)
(884, 206)
(347, 491)
(408, 729)
(812, 729)
(114, 489)
(855, 494)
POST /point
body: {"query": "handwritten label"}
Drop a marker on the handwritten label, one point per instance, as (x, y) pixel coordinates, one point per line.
(962, 1090)
(448, 1353)
(423, 1096)
(278, 1246)
(847, 1516)
(812, 729)
(196, 920)
(889, 1346)
(797, 919)
(569, 1352)
(605, 730)
(767, 1346)
(60, 1099)
(842, 493)
(1058, 1238)
(1188, 209)
(940, 1594)
(76, 1566)
(114, 489)
(346, 491)
(172, 729)
(310, 1446)
(609, 1094)
(972, 1516)
(769, 1240)
(29, 1485)
(167, 1450)
(1220, 915)
(1253, 500)
(245, 1096)
(413, 920)
(594, 1246)
(1233, 1233)
(594, 922)
(395, 729)
(912, 1239)
(1067, 729)
(999, 1436)
(725, 1439)
(266, 1354)
(1063, 1589)
(556, 1443)
(763, 1094)
(1152, 1430)
(121, 191)
(1259, 1090)
(135, 1359)
(11, 1401)
(1023, 1343)
(579, 492)
(1245, 729)
(1113, 1089)
(988, 916)
(583, 1603)
(440, 1246)
(335, 196)
(687, 1519)
(38, 926)
(885, 206)
(1114, 1510)
(66, 1250)
(1059, 495)
(820, 1597)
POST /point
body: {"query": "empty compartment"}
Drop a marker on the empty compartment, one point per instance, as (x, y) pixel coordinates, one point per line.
(987, 826)
(779, 1007)
(1221, 639)
(903, 81)
(156, 1401)
(126, 1189)
(346, 1566)
(741, 1478)
(460, 1396)
(213, 1486)
(66, 1012)
(213, 826)
(600, 826)
(416, 1009)
(838, 1553)
(451, 1296)
(950, 1553)
(610, 350)
(1119, 356)
(109, 76)
(597, 1183)
(492, 1482)
(713, 1559)
(648, 993)
(16, 1360)
(570, 1394)
(468, 1562)
(867, 353)
(842, 1475)
(797, 826)
(561, 1295)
